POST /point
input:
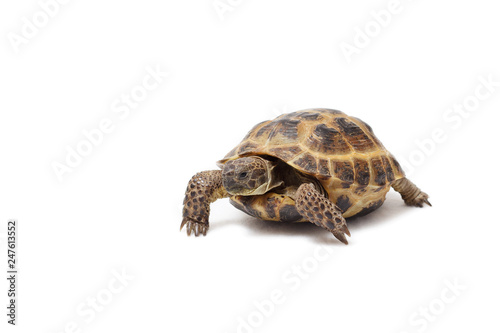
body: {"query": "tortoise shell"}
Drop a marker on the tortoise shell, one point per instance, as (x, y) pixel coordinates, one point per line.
(342, 152)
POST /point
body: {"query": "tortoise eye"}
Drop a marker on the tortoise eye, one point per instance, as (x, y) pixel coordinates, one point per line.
(243, 175)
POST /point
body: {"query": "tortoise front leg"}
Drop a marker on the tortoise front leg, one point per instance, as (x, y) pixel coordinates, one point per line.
(204, 188)
(317, 209)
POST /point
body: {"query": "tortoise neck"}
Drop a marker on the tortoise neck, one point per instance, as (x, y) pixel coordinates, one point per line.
(273, 176)
(289, 179)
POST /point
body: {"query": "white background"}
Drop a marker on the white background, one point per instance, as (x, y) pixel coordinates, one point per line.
(120, 208)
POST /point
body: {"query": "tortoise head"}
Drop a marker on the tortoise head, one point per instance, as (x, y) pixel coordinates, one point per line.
(248, 176)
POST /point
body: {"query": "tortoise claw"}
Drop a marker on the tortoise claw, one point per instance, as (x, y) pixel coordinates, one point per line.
(421, 199)
(340, 231)
(340, 236)
(184, 221)
(194, 227)
(346, 231)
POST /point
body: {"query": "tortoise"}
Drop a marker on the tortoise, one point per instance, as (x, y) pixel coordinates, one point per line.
(316, 165)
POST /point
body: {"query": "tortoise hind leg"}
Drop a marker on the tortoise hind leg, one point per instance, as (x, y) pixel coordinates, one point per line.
(317, 209)
(410, 193)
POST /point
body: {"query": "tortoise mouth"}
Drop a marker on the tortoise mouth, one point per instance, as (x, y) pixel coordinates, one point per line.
(238, 189)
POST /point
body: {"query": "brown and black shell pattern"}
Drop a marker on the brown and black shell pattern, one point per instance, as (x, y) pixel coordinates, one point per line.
(342, 152)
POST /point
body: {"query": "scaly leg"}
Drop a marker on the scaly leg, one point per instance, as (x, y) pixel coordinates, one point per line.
(410, 193)
(204, 188)
(317, 209)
